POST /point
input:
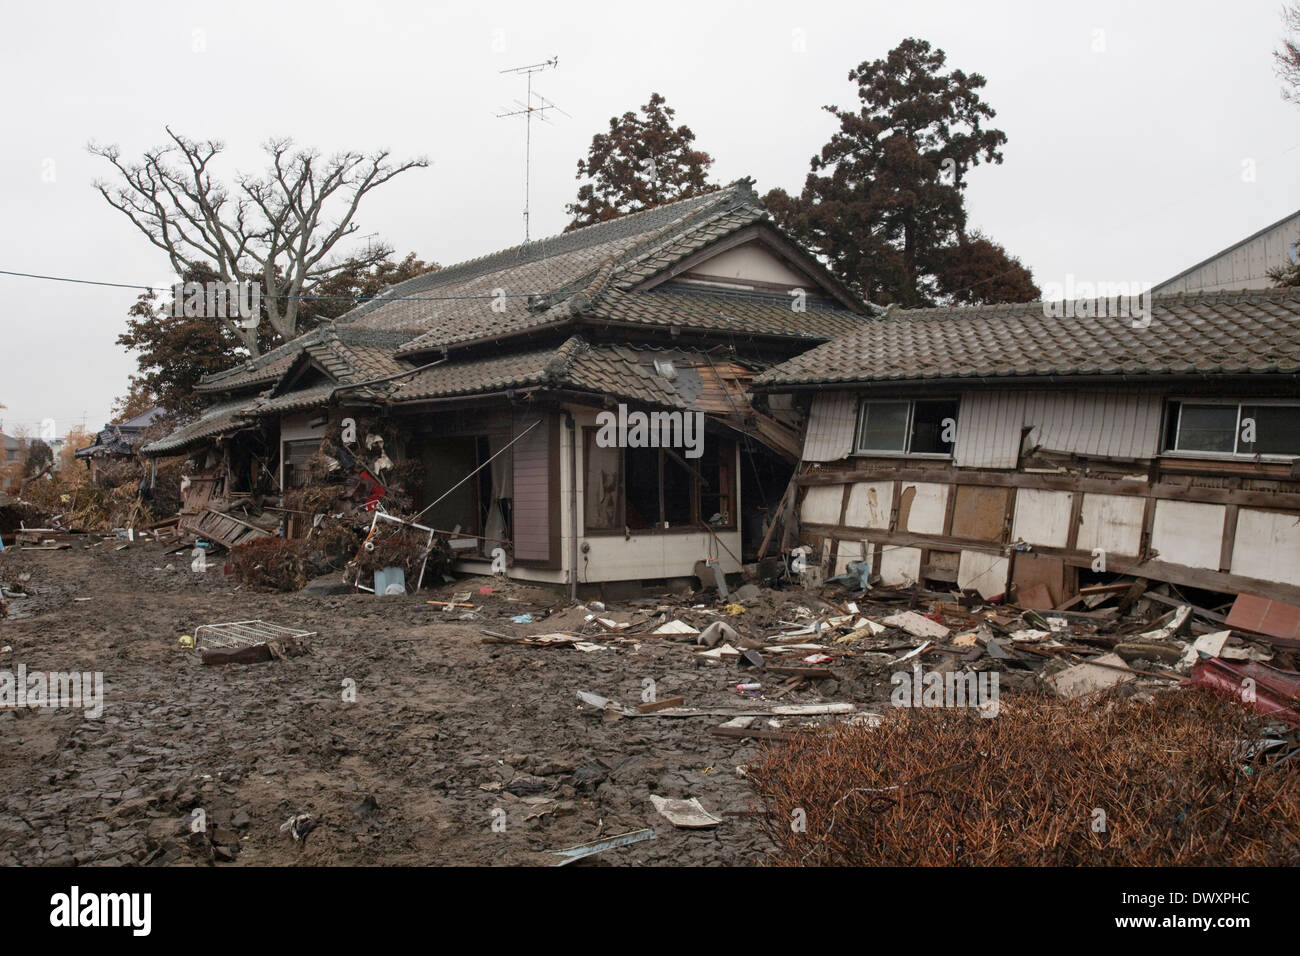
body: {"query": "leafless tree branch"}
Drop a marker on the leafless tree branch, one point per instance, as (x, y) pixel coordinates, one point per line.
(281, 229)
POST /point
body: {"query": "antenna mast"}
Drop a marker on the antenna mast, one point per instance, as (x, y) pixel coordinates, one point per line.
(526, 110)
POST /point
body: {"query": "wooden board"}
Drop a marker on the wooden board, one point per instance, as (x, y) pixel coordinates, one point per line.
(1033, 576)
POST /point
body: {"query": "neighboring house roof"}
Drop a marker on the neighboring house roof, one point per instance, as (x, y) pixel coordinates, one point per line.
(140, 422)
(1292, 221)
(1220, 333)
(120, 438)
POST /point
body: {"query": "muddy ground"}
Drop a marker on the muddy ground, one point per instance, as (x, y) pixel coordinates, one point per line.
(446, 735)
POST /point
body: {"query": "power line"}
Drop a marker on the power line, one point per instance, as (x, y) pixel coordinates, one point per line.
(316, 298)
(719, 313)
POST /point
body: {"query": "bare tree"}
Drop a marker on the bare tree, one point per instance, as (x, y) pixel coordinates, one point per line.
(278, 229)
(1288, 55)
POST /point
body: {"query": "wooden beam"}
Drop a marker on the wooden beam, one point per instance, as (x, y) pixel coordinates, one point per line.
(1229, 538)
(1153, 569)
(1278, 500)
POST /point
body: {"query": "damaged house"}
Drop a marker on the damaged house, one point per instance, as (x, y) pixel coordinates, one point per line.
(997, 449)
(471, 401)
(117, 441)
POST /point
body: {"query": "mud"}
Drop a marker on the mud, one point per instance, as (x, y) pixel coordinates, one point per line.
(447, 735)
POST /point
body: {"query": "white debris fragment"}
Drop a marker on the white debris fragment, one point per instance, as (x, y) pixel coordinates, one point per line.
(918, 625)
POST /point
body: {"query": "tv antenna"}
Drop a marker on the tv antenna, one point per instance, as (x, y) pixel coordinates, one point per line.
(532, 103)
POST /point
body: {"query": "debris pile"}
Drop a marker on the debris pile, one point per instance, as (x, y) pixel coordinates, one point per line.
(124, 494)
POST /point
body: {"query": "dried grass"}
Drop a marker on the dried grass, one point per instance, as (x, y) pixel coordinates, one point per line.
(936, 787)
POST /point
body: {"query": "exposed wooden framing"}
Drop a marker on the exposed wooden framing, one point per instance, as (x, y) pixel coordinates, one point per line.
(1148, 523)
(1229, 538)
(1076, 519)
(949, 510)
(778, 517)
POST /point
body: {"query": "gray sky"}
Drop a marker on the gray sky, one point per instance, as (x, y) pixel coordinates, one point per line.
(1124, 164)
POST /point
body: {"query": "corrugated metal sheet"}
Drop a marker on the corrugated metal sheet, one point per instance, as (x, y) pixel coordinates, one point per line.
(1121, 424)
(832, 420)
(1244, 265)
(988, 429)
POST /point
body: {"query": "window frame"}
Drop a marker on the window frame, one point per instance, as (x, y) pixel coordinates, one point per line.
(1234, 455)
(908, 432)
(699, 521)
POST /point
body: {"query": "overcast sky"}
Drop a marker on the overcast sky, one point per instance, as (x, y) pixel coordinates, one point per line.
(1128, 125)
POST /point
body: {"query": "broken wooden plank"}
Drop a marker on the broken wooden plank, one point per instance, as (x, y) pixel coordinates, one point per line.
(652, 706)
(757, 733)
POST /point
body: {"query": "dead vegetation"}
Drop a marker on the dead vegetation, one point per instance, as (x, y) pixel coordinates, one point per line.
(121, 496)
(1174, 781)
(277, 564)
(286, 564)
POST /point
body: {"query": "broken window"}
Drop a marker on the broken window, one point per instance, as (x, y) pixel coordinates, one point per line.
(297, 454)
(1232, 429)
(907, 427)
(603, 480)
(641, 488)
(717, 484)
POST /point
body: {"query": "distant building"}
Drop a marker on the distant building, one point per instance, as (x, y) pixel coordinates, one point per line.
(9, 449)
(117, 441)
(1244, 265)
(120, 440)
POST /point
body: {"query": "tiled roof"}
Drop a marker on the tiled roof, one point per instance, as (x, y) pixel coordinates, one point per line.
(1223, 333)
(616, 370)
(294, 401)
(738, 312)
(554, 366)
(216, 420)
(346, 352)
(560, 267)
(353, 364)
(621, 371)
(263, 370)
